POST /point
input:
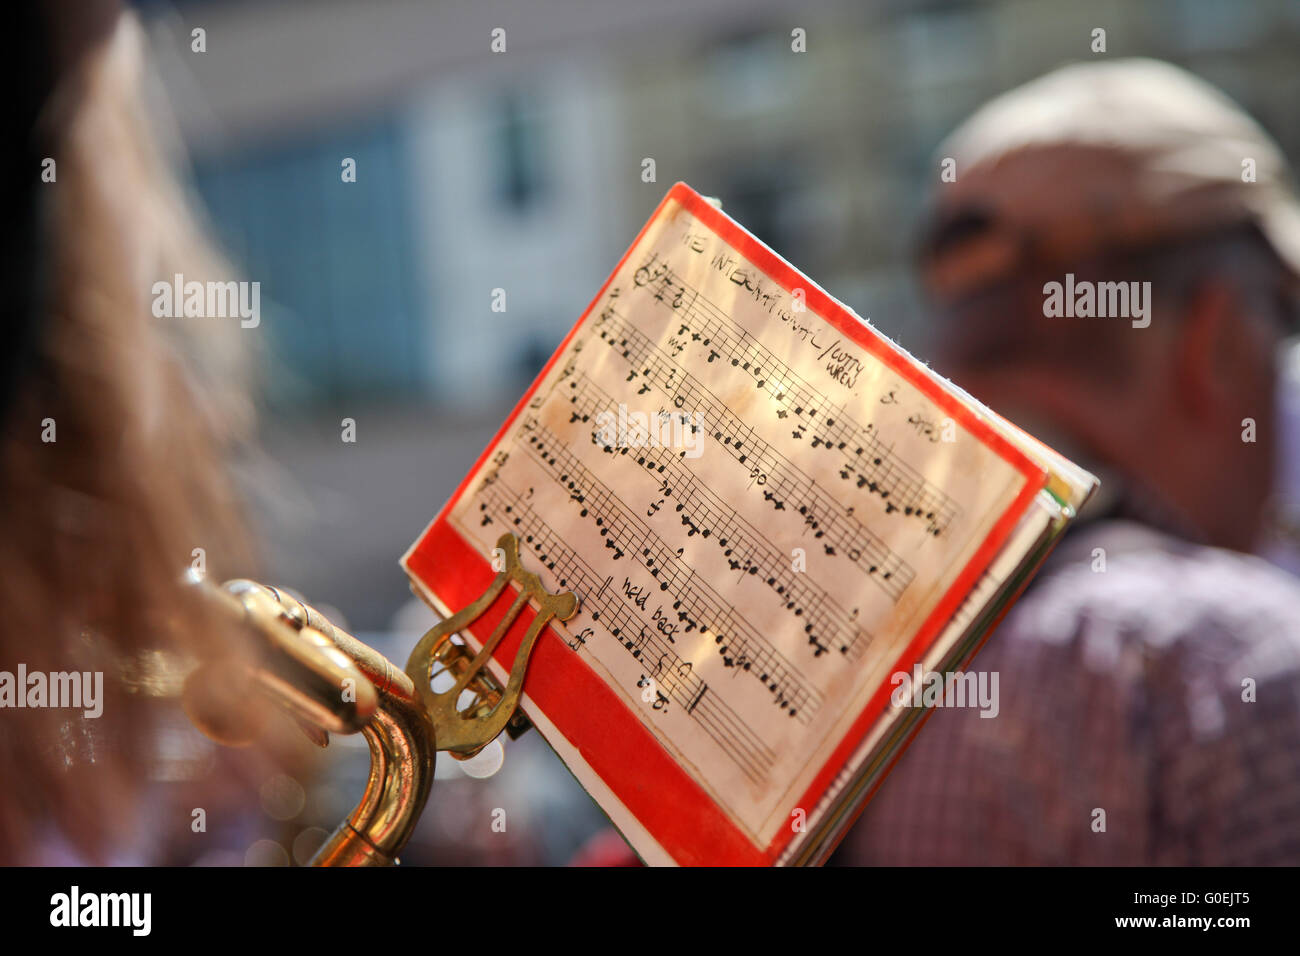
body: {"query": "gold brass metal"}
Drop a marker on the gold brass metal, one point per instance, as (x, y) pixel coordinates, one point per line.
(333, 683)
(402, 749)
(303, 669)
(465, 731)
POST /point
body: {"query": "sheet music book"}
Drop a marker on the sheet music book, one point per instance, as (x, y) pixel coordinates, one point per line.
(767, 511)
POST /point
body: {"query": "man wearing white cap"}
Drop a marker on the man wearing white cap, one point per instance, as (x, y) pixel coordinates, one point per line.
(1114, 267)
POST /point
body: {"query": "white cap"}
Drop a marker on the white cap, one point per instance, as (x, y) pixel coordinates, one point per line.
(1096, 157)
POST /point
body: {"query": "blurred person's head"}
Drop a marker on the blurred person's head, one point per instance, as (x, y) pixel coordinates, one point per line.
(1114, 265)
(112, 428)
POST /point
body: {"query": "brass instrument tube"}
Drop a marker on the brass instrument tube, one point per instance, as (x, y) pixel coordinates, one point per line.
(402, 750)
(303, 669)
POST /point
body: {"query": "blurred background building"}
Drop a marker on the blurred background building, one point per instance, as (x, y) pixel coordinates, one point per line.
(522, 171)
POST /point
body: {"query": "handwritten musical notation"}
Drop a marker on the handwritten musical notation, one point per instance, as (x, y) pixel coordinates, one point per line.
(746, 549)
(501, 506)
(868, 462)
(782, 484)
(695, 605)
(748, 506)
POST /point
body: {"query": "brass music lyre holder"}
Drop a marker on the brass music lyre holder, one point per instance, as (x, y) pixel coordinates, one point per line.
(464, 732)
(403, 720)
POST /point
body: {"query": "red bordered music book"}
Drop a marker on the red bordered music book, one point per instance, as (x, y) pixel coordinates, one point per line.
(787, 537)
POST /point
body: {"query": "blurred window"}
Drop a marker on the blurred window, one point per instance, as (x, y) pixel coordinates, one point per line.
(521, 182)
(334, 258)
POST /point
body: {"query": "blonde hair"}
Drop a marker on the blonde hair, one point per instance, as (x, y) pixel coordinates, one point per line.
(100, 522)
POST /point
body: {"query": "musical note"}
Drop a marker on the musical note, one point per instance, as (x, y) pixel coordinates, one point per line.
(776, 477)
(619, 618)
(747, 551)
(877, 472)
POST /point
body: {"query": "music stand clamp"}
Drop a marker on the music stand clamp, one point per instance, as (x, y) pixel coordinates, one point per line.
(463, 732)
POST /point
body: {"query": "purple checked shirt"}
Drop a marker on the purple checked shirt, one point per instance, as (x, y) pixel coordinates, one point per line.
(1163, 690)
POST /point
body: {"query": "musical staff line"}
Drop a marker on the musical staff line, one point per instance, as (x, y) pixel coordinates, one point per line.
(704, 513)
(868, 462)
(783, 483)
(745, 549)
(732, 735)
(750, 552)
(696, 605)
